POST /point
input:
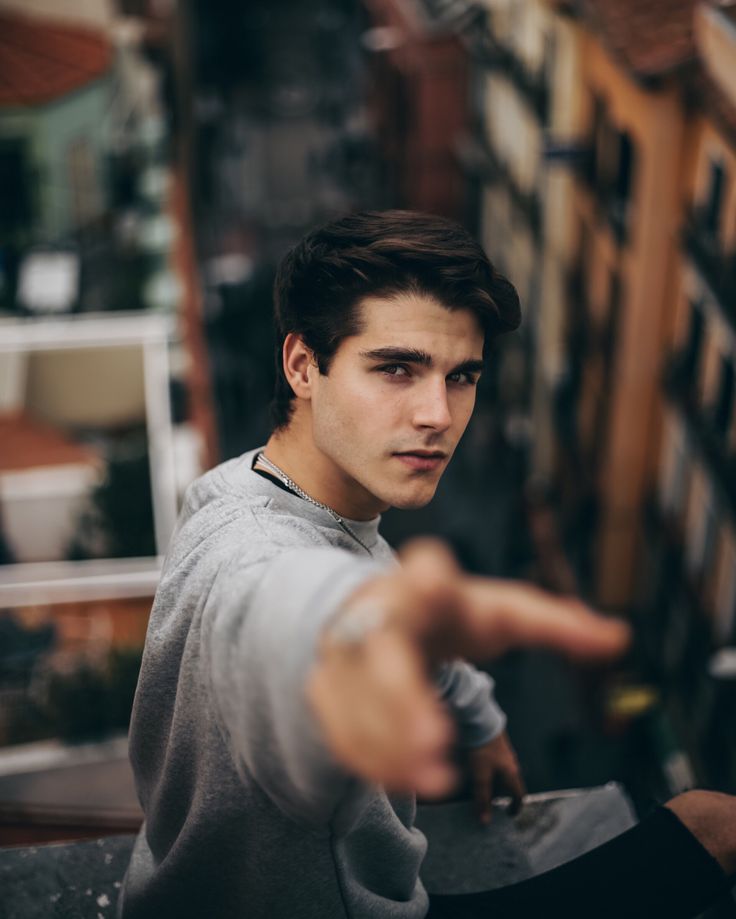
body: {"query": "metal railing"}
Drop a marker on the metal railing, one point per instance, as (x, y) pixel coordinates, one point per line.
(500, 57)
(478, 158)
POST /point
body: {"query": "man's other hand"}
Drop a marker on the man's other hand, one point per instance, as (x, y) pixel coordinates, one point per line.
(371, 690)
(494, 768)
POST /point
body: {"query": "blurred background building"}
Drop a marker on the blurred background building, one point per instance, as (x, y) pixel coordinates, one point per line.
(157, 158)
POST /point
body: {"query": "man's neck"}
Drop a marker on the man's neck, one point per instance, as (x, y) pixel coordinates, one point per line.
(297, 455)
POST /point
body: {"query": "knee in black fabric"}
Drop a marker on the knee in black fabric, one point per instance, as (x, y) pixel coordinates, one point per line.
(655, 870)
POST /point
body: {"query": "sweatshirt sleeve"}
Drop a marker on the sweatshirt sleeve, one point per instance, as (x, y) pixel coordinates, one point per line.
(260, 635)
(469, 695)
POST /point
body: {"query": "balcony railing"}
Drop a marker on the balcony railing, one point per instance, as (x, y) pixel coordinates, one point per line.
(497, 56)
(680, 389)
(480, 160)
(717, 268)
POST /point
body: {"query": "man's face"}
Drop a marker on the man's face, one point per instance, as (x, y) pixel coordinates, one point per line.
(396, 400)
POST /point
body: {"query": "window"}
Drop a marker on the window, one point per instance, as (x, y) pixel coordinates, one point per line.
(16, 213)
(714, 201)
(725, 587)
(694, 342)
(619, 182)
(724, 399)
(625, 167)
(96, 405)
(611, 168)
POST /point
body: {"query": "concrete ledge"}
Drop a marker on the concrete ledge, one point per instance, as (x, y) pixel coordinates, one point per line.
(553, 828)
(82, 880)
(64, 881)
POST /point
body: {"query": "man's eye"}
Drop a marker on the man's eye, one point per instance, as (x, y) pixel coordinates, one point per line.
(394, 370)
(466, 379)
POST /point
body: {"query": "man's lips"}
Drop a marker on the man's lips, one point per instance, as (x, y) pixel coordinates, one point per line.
(421, 460)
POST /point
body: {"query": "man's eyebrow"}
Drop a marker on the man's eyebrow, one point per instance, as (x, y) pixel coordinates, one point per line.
(400, 355)
(472, 366)
(417, 356)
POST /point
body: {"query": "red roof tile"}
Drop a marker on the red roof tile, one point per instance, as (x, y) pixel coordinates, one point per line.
(705, 94)
(42, 60)
(29, 443)
(653, 38)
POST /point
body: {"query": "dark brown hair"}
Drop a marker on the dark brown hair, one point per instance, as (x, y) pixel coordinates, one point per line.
(321, 282)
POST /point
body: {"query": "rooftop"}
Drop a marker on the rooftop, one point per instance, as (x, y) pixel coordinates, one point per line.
(715, 35)
(716, 102)
(653, 39)
(42, 60)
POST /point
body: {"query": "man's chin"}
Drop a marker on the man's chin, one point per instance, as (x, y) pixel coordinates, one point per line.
(413, 502)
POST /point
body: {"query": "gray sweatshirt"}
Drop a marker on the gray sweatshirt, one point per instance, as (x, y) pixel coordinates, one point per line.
(246, 812)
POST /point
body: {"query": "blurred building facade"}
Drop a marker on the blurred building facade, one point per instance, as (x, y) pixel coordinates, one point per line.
(688, 571)
(605, 149)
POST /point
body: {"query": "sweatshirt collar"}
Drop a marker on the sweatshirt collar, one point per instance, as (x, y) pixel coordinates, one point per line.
(366, 530)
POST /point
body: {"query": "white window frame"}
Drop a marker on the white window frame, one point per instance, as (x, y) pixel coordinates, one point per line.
(33, 583)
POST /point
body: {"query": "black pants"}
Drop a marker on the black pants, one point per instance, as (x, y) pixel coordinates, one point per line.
(655, 870)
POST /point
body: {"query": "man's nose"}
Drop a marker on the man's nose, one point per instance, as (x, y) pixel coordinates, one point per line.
(432, 409)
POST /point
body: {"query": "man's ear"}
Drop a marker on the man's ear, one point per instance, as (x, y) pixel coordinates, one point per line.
(299, 365)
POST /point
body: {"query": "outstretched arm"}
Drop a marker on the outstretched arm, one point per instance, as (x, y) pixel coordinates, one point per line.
(371, 688)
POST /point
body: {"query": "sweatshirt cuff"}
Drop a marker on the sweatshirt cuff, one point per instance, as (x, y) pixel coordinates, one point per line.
(468, 693)
(485, 729)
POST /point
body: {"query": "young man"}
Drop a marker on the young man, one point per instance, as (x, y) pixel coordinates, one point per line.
(298, 686)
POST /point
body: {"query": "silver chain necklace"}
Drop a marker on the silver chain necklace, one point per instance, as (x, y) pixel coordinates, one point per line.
(292, 486)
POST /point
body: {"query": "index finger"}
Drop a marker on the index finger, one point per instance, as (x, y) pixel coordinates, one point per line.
(501, 615)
